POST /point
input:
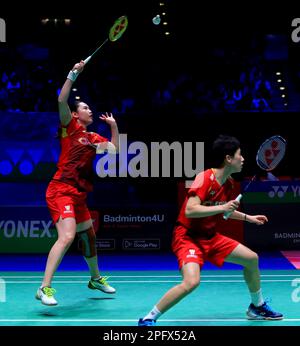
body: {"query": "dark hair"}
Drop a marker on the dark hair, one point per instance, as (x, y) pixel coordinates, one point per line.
(74, 106)
(222, 146)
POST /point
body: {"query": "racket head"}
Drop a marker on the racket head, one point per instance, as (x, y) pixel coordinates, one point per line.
(271, 152)
(118, 28)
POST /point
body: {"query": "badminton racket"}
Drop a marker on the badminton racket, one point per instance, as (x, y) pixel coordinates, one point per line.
(115, 32)
(268, 156)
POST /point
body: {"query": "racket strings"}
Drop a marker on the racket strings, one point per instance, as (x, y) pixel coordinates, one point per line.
(271, 153)
(118, 28)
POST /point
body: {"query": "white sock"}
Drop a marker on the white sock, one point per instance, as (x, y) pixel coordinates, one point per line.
(96, 279)
(257, 298)
(153, 314)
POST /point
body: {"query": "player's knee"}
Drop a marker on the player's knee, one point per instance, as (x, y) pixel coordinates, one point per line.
(67, 239)
(252, 260)
(190, 284)
(88, 242)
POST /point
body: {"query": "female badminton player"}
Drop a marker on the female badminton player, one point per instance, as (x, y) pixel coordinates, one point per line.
(67, 192)
(195, 239)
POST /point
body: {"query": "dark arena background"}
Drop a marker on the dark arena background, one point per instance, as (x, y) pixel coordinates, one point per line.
(202, 71)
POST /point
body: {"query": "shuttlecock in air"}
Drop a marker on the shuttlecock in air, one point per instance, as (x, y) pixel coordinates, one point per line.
(156, 20)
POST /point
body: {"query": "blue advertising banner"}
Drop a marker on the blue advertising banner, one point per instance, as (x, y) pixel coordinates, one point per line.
(280, 191)
(141, 228)
(29, 229)
(26, 230)
(280, 202)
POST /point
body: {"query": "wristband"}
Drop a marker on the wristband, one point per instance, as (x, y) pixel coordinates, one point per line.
(245, 217)
(72, 76)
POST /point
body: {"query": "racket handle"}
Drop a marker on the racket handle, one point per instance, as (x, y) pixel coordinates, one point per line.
(227, 214)
(87, 59)
(85, 62)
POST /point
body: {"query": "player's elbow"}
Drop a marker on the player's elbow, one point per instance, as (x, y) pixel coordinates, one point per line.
(189, 211)
(60, 100)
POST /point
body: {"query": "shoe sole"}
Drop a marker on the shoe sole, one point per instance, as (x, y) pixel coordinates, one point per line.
(143, 324)
(265, 318)
(146, 325)
(95, 288)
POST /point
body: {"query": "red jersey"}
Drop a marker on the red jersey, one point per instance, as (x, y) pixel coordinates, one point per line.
(210, 192)
(75, 165)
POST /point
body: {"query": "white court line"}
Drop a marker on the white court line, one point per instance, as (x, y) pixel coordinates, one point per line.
(145, 276)
(88, 276)
(136, 281)
(160, 320)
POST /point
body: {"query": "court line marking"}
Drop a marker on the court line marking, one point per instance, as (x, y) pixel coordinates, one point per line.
(160, 320)
(146, 276)
(136, 281)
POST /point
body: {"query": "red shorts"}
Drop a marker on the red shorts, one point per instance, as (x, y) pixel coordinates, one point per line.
(199, 250)
(64, 201)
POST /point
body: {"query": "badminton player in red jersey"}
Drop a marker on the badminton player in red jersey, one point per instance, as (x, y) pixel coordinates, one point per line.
(196, 240)
(67, 192)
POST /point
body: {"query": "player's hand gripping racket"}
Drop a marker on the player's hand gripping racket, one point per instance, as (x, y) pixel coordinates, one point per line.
(268, 156)
(115, 32)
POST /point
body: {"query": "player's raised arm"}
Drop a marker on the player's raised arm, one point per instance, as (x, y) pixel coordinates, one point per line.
(63, 107)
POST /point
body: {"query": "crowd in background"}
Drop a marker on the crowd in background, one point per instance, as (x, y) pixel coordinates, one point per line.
(212, 85)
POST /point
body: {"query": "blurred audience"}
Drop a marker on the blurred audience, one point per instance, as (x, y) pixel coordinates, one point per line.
(218, 85)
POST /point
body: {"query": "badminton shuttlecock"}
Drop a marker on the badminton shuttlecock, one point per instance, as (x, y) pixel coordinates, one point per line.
(156, 20)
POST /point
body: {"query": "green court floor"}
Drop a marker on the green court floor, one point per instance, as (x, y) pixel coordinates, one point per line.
(220, 300)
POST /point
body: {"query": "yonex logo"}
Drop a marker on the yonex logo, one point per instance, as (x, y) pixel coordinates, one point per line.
(271, 153)
(278, 191)
(68, 209)
(281, 190)
(192, 253)
(25, 229)
(25, 160)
